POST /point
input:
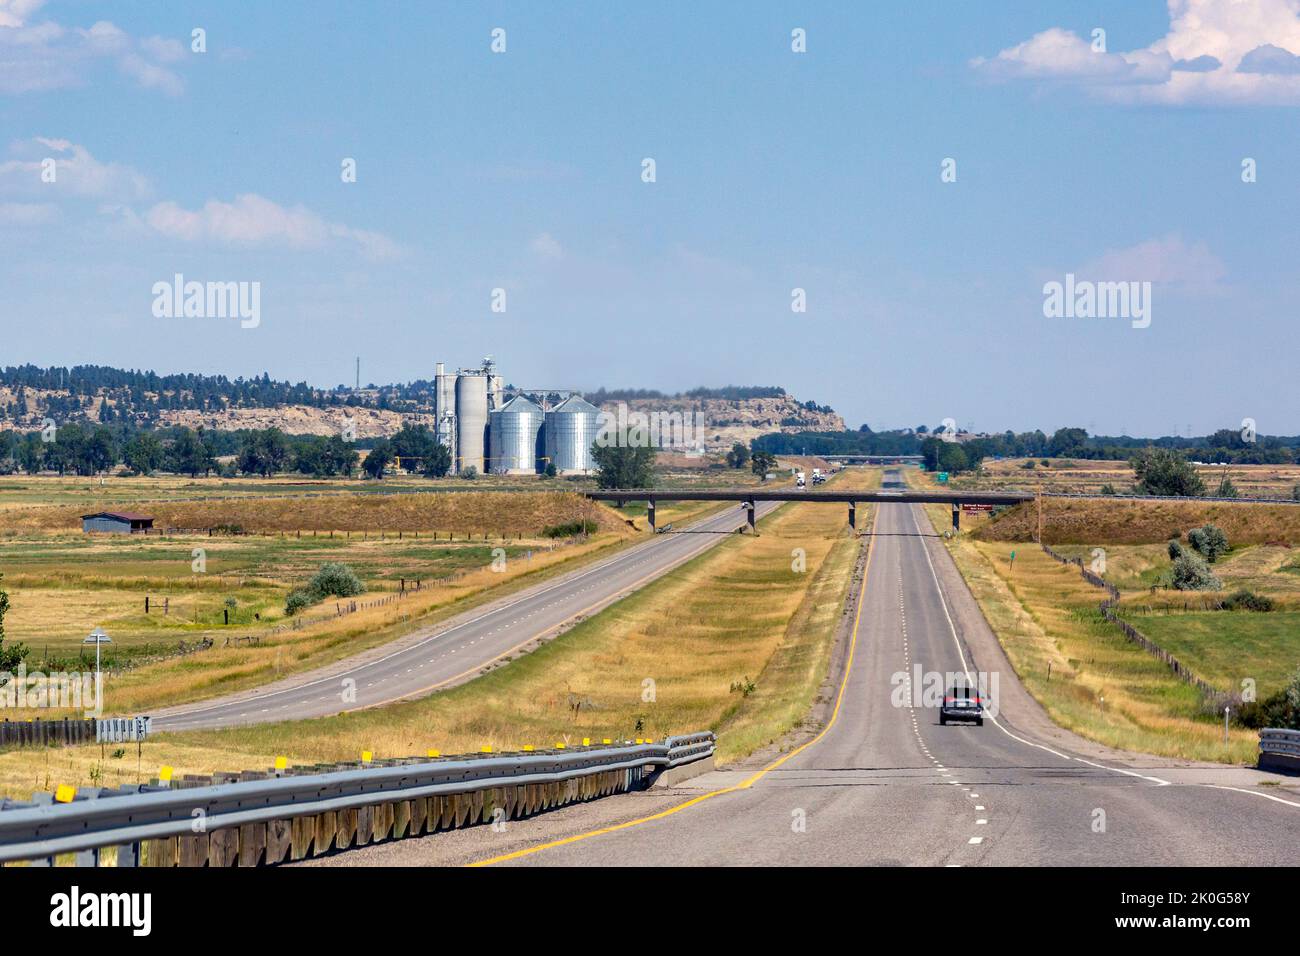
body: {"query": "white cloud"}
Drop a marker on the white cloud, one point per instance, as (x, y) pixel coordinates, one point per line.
(77, 173)
(1215, 51)
(14, 13)
(253, 219)
(28, 213)
(547, 246)
(36, 57)
(1168, 260)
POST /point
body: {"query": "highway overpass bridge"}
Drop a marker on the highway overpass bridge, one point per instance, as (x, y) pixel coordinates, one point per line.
(874, 459)
(851, 498)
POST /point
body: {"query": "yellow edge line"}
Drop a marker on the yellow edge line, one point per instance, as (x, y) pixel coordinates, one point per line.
(744, 785)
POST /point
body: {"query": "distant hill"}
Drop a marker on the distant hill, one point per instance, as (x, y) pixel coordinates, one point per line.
(145, 399)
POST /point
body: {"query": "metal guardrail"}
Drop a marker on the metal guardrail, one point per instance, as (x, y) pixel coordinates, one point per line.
(1274, 740)
(127, 817)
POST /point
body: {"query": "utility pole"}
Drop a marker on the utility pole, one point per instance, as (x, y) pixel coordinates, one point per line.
(358, 385)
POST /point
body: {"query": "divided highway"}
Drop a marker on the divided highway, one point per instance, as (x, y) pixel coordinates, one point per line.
(457, 649)
(886, 784)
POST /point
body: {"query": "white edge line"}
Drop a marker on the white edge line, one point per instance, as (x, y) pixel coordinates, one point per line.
(966, 667)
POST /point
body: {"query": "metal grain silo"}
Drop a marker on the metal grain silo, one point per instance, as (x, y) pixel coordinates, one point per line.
(569, 432)
(514, 433)
(444, 408)
(471, 419)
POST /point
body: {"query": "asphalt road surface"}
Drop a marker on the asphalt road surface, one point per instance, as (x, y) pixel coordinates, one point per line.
(458, 649)
(886, 784)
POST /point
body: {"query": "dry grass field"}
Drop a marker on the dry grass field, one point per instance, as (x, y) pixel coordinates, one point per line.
(1085, 476)
(737, 640)
(459, 512)
(1099, 521)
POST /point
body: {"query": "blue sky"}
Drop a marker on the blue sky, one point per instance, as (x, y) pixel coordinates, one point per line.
(775, 170)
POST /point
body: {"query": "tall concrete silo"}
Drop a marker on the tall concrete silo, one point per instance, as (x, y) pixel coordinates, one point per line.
(444, 408)
(471, 418)
(514, 436)
(569, 432)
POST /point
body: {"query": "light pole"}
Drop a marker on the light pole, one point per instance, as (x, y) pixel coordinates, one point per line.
(97, 637)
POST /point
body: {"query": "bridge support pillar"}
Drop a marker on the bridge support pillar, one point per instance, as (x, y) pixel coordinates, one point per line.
(853, 516)
(956, 516)
(749, 516)
(650, 514)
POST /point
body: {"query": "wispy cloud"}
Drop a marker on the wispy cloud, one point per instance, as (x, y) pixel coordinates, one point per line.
(77, 173)
(1168, 260)
(254, 220)
(45, 55)
(1215, 52)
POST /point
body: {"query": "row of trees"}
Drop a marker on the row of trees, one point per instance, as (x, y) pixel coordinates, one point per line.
(1225, 445)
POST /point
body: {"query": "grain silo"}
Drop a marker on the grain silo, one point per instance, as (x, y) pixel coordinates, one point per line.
(471, 418)
(570, 430)
(444, 408)
(514, 434)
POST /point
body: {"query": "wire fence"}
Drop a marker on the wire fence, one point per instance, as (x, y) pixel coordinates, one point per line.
(1107, 608)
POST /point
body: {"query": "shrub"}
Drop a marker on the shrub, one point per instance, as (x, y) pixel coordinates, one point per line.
(1247, 601)
(1277, 710)
(298, 600)
(570, 529)
(1176, 550)
(1108, 489)
(1192, 574)
(337, 580)
(1209, 540)
(1295, 493)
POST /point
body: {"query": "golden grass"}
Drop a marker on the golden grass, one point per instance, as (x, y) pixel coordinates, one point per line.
(1139, 522)
(463, 512)
(735, 615)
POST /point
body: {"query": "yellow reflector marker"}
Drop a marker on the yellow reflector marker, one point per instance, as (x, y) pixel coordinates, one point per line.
(433, 753)
(164, 774)
(528, 746)
(64, 793)
(559, 746)
(486, 748)
(281, 763)
(605, 740)
(366, 756)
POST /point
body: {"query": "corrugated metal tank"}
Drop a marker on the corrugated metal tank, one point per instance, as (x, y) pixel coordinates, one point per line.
(514, 433)
(471, 419)
(569, 430)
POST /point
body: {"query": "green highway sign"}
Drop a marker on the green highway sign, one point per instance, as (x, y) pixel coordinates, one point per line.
(943, 476)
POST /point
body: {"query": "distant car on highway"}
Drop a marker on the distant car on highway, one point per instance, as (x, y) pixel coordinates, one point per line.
(962, 703)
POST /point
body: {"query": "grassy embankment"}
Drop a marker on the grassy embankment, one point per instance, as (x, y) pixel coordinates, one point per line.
(735, 640)
(1087, 476)
(1086, 674)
